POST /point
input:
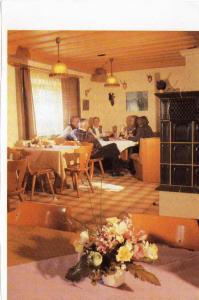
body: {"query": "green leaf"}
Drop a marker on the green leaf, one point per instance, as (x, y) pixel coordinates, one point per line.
(80, 270)
(139, 272)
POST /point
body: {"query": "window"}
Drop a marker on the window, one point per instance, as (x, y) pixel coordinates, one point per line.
(47, 98)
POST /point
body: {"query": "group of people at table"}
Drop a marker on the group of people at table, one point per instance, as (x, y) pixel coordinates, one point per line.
(84, 130)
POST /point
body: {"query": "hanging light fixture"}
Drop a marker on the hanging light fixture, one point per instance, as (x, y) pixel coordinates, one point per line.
(59, 69)
(111, 80)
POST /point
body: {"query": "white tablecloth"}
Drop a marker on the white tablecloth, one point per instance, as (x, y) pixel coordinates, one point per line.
(121, 144)
(177, 270)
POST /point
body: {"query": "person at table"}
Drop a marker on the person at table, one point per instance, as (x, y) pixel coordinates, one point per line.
(96, 128)
(74, 121)
(143, 130)
(109, 152)
(131, 125)
(114, 133)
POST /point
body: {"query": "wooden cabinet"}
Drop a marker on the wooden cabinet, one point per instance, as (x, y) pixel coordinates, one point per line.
(179, 144)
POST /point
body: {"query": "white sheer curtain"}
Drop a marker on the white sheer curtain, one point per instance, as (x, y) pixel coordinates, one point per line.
(47, 98)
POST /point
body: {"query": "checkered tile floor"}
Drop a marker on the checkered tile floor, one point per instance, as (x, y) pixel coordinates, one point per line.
(112, 196)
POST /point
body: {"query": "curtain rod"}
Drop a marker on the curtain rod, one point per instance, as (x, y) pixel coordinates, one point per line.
(70, 75)
(30, 67)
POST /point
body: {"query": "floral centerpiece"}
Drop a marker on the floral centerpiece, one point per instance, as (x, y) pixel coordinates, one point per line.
(107, 253)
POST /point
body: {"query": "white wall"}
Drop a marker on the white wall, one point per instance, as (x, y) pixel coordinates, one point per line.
(137, 81)
(184, 78)
(191, 78)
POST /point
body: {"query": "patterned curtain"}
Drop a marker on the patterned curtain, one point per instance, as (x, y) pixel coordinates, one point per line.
(47, 98)
(71, 98)
(26, 115)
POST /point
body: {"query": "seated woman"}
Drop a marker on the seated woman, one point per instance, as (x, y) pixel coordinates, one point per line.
(96, 128)
(74, 121)
(109, 152)
(131, 124)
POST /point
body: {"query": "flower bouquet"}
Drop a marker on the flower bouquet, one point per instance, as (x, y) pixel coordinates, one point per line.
(107, 253)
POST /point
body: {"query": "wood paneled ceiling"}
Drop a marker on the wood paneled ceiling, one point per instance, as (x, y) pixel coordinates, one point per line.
(131, 50)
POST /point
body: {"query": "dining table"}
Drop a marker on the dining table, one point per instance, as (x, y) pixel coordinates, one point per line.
(49, 157)
(122, 145)
(38, 259)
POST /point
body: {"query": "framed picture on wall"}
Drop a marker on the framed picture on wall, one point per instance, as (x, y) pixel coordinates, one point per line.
(136, 101)
(85, 104)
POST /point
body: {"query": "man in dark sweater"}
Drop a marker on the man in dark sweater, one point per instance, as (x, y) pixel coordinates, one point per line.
(109, 152)
(143, 130)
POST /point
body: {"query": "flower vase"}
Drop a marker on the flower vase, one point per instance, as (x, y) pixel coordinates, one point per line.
(114, 280)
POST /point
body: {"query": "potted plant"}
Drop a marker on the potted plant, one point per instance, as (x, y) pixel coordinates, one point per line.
(110, 251)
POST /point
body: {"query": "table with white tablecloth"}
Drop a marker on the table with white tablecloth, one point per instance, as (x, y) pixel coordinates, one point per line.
(122, 146)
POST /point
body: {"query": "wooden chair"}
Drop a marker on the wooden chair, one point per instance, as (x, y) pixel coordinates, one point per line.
(92, 163)
(42, 215)
(37, 173)
(15, 178)
(77, 165)
(147, 162)
(177, 232)
(63, 141)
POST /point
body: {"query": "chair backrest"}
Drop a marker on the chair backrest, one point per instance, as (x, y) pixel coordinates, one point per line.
(84, 155)
(13, 154)
(15, 174)
(70, 143)
(178, 232)
(72, 159)
(42, 215)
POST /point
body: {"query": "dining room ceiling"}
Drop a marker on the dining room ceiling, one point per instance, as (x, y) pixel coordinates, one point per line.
(83, 50)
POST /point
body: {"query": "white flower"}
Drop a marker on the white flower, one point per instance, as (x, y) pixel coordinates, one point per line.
(123, 267)
(119, 238)
(121, 228)
(150, 250)
(95, 258)
(84, 237)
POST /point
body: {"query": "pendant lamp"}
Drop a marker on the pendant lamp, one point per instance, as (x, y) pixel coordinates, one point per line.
(59, 70)
(111, 80)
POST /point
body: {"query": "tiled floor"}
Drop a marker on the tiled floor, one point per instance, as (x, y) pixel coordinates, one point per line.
(114, 196)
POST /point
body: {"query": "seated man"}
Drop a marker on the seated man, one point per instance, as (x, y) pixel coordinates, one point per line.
(109, 152)
(97, 128)
(74, 121)
(143, 130)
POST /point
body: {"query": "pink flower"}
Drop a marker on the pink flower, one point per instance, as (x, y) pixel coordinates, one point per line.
(138, 251)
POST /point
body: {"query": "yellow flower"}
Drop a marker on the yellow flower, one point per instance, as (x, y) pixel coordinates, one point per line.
(150, 251)
(124, 254)
(96, 258)
(78, 246)
(113, 220)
